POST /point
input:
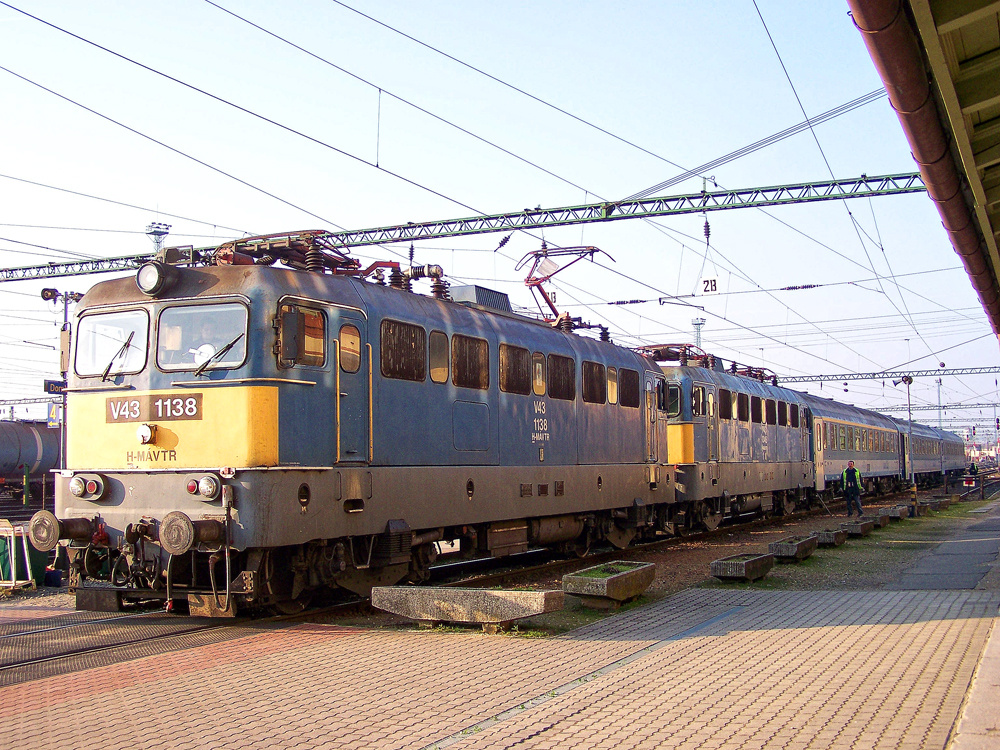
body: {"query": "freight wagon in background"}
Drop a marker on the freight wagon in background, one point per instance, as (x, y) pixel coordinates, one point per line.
(35, 446)
(32, 448)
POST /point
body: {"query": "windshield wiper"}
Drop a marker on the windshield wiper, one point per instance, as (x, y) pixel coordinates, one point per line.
(218, 355)
(119, 353)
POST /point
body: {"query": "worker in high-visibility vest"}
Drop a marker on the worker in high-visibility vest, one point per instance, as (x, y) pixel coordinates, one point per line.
(850, 482)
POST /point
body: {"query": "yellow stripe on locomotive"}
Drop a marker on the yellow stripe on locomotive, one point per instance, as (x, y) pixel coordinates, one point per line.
(173, 429)
(680, 443)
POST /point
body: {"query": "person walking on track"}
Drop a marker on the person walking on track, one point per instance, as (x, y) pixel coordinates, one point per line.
(850, 482)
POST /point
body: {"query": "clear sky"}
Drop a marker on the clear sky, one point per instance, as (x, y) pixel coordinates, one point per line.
(685, 82)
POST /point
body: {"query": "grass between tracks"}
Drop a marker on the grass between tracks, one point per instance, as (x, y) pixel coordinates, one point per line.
(869, 562)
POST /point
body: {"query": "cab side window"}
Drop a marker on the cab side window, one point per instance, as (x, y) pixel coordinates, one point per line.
(301, 336)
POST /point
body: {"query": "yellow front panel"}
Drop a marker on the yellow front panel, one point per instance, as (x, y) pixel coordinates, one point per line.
(214, 426)
(680, 443)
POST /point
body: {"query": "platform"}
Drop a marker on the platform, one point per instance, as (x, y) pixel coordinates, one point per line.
(717, 668)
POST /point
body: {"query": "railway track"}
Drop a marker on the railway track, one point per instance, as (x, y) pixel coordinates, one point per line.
(46, 647)
(461, 574)
(35, 649)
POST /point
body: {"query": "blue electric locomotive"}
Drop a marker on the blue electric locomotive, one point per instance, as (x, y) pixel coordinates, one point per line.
(241, 435)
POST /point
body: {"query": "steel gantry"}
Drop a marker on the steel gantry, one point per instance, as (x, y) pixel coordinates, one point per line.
(935, 407)
(534, 218)
(886, 375)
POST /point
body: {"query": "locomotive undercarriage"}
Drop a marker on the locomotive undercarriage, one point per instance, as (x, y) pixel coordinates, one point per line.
(218, 580)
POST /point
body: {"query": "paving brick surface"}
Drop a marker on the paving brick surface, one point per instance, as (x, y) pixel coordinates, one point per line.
(703, 669)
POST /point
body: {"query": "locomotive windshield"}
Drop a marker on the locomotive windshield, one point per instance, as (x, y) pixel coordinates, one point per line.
(202, 337)
(112, 343)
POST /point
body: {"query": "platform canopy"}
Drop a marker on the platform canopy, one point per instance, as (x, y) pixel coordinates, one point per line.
(940, 63)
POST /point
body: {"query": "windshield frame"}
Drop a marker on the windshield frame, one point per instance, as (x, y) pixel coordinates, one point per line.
(201, 360)
(104, 362)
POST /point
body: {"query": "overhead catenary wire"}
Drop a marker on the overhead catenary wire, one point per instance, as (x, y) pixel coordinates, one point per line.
(214, 97)
(470, 207)
(826, 161)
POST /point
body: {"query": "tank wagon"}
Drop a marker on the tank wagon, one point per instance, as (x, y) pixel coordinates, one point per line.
(28, 448)
(242, 435)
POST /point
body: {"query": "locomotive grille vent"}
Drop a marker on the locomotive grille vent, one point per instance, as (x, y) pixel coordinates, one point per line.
(480, 295)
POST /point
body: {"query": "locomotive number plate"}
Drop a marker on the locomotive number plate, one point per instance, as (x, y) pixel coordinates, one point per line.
(154, 408)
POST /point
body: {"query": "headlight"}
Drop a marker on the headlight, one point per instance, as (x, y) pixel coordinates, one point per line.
(87, 486)
(208, 487)
(155, 277)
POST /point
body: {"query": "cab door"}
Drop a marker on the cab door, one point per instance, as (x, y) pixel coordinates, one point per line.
(651, 425)
(352, 380)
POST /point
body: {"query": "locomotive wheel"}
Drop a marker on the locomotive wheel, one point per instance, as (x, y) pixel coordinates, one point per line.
(293, 606)
(278, 579)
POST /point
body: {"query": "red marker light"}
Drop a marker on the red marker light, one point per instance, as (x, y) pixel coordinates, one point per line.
(91, 487)
(192, 486)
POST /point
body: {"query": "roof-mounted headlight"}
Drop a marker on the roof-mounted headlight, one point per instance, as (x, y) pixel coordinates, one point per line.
(156, 277)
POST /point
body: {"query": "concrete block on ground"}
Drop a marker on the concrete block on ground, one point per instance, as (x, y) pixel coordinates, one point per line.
(793, 548)
(492, 608)
(746, 567)
(880, 521)
(858, 528)
(830, 537)
(609, 585)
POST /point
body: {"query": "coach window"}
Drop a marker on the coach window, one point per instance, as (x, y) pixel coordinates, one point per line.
(857, 438)
(743, 407)
(595, 383)
(770, 412)
(350, 349)
(470, 362)
(825, 441)
(538, 374)
(403, 354)
(755, 412)
(515, 369)
(725, 404)
(842, 438)
(562, 377)
(438, 349)
(612, 385)
(628, 388)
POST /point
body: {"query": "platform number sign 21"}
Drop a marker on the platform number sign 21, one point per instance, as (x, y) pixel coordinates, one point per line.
(710, 285)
